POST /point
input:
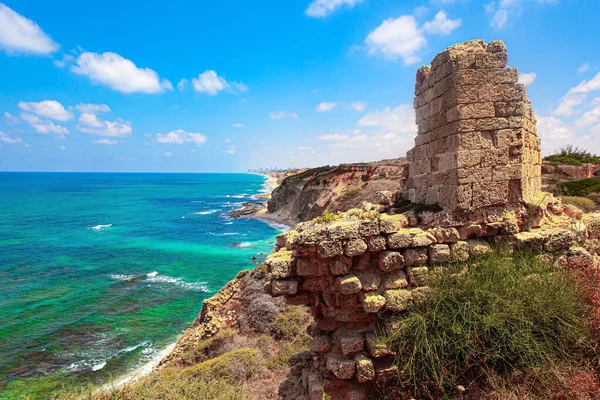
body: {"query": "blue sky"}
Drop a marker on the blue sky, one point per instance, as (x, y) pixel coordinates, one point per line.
(231, 85)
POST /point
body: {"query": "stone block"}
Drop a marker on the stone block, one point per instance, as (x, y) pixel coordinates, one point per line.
(422, 239)
(330, 249)
(281, 287)
(390, 260)
(368, 228)
(559, 239)
(395, 280)
(363, 262)
(340, 367)
(348, 284)
(459, 251)
(341, 230)
(416, 256)
(439, 253)
(445, 235)
(352, 344)
(417, 276)
(376, 243)
(320, 344)
(400, 239)
(376, 348)
(280, 264)
(478, 247)
(311, 267)
(341, 266)
(316, 285)
(398, 300)
(392, 223)
(365, 370)
(355, 247)
(372, 302)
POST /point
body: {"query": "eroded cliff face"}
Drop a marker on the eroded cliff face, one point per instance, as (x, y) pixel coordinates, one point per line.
(310, 193)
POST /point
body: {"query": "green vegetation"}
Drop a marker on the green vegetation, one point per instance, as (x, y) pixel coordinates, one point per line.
(581, 187)
(237, 365)
(583, 203)
(572, 155)
(327, 217)
(496, 316)
(351, 192)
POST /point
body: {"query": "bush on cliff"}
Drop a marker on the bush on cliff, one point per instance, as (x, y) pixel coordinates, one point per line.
(583, 203)
(572, 155)
(502, 314)
(580, 187)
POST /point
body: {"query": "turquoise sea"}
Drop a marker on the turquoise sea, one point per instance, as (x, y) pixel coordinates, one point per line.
(100, 273)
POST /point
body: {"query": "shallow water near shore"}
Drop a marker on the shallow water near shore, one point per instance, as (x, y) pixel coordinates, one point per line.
(99, 273)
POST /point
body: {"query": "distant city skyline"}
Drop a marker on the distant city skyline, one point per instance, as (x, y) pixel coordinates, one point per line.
(234, 86)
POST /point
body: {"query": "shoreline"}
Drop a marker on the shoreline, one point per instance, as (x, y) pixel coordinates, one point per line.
(148, 368)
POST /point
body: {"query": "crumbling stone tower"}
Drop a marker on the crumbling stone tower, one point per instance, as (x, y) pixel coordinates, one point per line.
(477, 145)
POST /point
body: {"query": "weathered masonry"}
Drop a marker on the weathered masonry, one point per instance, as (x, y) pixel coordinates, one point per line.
(477, 145)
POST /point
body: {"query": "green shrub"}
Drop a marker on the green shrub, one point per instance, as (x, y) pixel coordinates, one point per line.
(595, 197)
(317, 181)
(572, 155)
(281, 359)
(507, 313)
(581, 187)
(327, 217)
(237, 365)
(582, 203)
(351, 192)
(289, 323)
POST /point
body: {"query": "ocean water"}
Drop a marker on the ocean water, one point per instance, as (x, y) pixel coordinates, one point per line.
(100, 273)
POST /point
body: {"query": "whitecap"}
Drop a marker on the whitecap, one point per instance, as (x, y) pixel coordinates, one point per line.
(208, 212)
(122, 277)
(244, 244)
(152, 274)
(195, 286)
(99, 227)
(98, 367)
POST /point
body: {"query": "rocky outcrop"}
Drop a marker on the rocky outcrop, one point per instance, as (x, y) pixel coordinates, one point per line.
(310, 193)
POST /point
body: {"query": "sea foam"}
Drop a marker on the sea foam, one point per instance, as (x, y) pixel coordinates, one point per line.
(99, 227)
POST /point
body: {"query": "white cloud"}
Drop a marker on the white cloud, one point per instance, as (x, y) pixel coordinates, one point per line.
(527, 78)
(44, 127)
(326, 106)
(588, 85)
(230, 149)
(63, 148)
(402, 37)
(168, 154)
(502, 11)
(568, 104)
(182, 85)
(304, 148)
(119, 73)
(589, 118)
(11, 119)
(108, 142)
(335, 136)
(92, 108)
(6, 138)
(238, 125)
(441, 24)
(90, 123)
(322, 8)
(48, 109)
(583, 68)
(359, 106)
(211, 83)
(396, 120)
(282, 115)
(64, 61)
(21, 35)
(180, 137)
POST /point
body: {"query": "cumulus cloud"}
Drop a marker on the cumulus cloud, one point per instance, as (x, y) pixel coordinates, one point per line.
(48, 109)
(323, 8)
(90, 123)
(359, 106)
(180, 137)
(282, 115)
(441, 24)
(568, 103)
(590, 117)
(335, 136)
(238, 125)
(396, 120)
(108, 142)
(502, 11)
(577, 95)
(11, 119)
(403, 38)
(587, 86)
(119, 73)
(326, 106)
(527, 78)
(92, 108)
(6, 138)
(21, 35)
(583, 68)
(44, 127)
(211, 83)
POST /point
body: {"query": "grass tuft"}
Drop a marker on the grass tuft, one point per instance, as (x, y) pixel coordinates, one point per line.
(506, 313)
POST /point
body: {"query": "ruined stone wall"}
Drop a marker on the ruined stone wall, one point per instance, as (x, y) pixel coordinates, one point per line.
(477, 145)
(357, 272)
